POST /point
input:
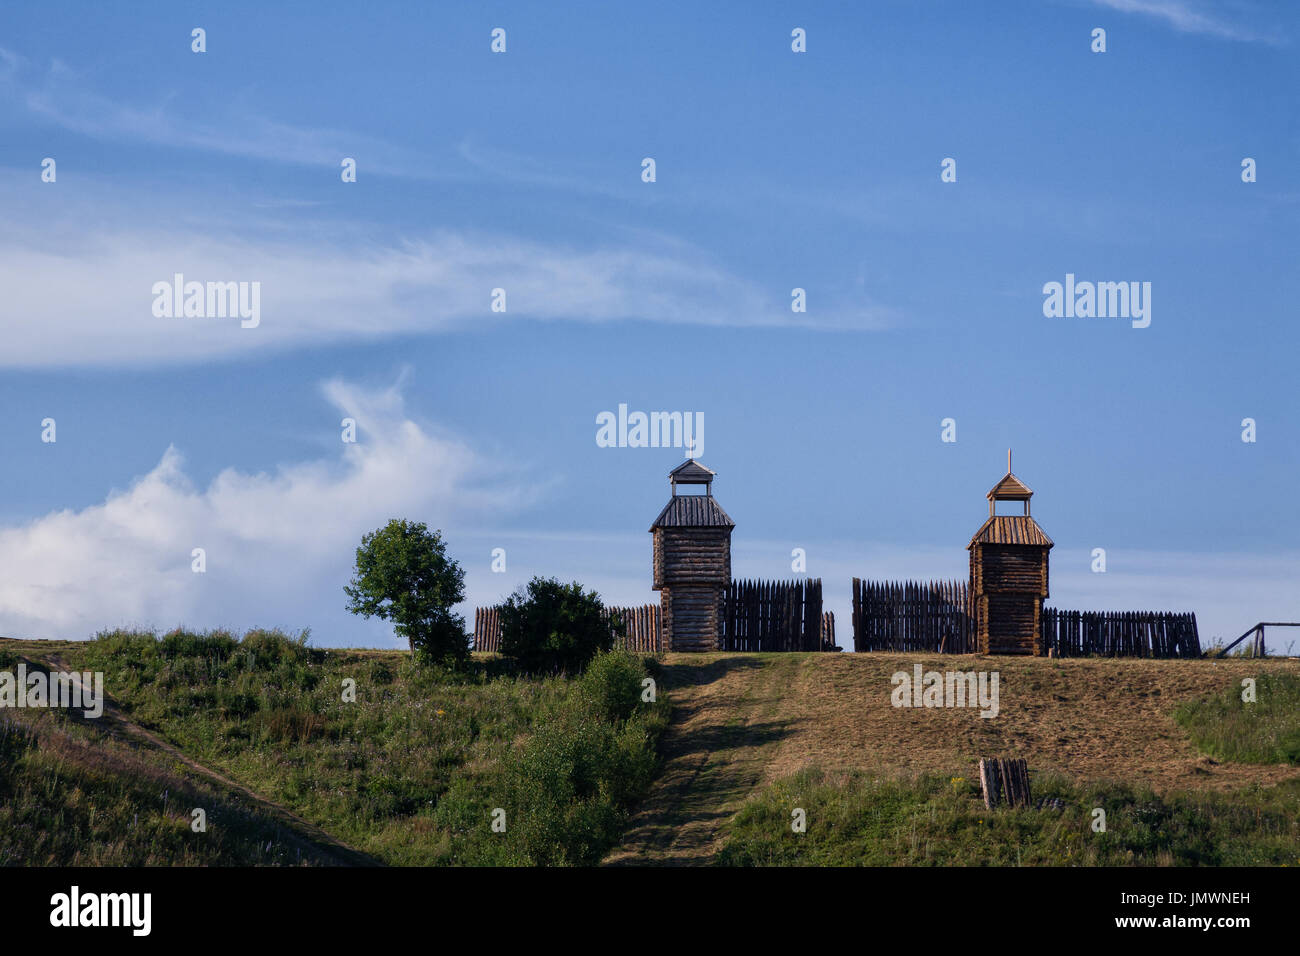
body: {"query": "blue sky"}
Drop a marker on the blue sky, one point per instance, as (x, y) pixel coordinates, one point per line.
(522, 170)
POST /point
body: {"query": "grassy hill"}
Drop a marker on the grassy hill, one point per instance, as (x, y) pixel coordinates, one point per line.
(761, 735)
(409, 772)
(259, 733)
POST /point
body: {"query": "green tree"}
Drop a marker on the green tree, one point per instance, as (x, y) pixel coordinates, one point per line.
(403, 575)
(549, 627)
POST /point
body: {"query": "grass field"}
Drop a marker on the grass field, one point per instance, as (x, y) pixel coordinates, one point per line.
(75, 792)
(411, 772)
(1264, 730)
(894, 785)
(408, 773)
(854, 819)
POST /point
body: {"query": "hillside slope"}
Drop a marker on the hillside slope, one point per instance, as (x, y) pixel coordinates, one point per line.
(345, 757)
(410, 773)
(106, 792)
(743, 722)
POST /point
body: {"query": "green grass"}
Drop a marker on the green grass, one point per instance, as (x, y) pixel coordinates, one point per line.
(413, 770)
(70, 796)
(853, 820)
(1266, 730)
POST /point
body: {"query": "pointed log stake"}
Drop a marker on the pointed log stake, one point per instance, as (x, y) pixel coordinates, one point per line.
(1005, 780)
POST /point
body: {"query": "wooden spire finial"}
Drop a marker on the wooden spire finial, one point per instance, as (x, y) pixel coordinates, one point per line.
(1008, 461)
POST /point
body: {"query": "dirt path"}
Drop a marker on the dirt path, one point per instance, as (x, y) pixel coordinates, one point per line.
(725, 731)
(298, 833)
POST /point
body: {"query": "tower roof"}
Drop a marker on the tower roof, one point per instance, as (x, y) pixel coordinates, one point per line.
(1011, 529)
(692, 511)
(691, 472)
(1010, 488)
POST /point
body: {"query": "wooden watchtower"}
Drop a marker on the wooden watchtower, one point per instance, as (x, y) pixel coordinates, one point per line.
(1008, 574)
(692, 561)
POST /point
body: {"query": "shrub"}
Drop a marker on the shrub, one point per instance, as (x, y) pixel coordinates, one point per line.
(569, 788)
(135, 646)
(555, 788)
(550, 627)
(270, 648)
(610, 688)
(217, 644)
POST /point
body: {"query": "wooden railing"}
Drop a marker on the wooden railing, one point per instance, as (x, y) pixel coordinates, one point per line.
(1258, 630)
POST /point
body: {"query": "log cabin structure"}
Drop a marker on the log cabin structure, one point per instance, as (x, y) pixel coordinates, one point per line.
(1008, 574)
(692, 562)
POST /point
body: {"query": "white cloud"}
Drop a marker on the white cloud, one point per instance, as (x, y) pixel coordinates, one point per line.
(1186, 16)
(279, 545)
(78, 292)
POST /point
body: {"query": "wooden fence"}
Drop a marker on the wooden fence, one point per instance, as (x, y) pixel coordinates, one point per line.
(643, 628)
(1119, 634)
(913, 616)
(776, 616)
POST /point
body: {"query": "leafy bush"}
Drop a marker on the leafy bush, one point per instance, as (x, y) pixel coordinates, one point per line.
(554, 794)
(610, 687)
(549, 627)
(569, 790)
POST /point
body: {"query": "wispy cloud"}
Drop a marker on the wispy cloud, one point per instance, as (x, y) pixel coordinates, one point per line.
(511, 167)
(1187, 16)
(78, 291)
(62, 95)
